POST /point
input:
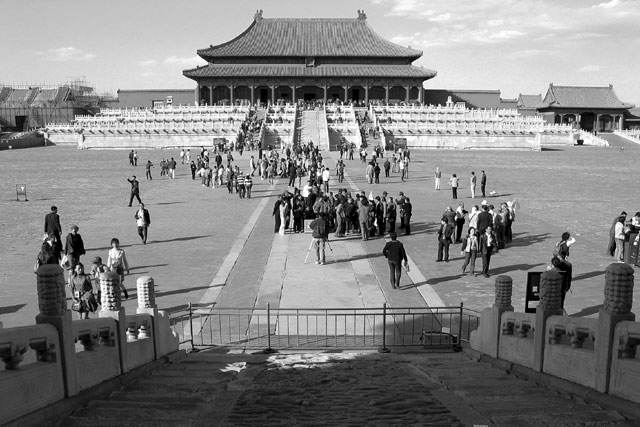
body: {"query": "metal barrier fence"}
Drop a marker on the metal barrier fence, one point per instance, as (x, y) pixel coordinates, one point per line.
(295, 328)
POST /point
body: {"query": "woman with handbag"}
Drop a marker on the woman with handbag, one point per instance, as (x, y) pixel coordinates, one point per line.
(117, 262)
(84, 301)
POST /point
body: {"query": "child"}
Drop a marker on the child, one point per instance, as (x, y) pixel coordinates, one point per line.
(117, 262)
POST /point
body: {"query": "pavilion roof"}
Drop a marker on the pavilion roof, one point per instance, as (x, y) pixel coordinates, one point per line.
(529, 101)
(312, 37)
(583, 97)
(292, 70)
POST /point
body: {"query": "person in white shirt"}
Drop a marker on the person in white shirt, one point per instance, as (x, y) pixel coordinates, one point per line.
(326, 175)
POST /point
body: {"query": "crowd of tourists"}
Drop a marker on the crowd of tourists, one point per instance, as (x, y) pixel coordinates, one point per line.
(83, 285)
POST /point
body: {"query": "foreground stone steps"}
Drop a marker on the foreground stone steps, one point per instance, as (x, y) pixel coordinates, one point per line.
(338, 389)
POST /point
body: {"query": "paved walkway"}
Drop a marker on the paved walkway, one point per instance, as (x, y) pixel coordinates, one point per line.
(207, 245)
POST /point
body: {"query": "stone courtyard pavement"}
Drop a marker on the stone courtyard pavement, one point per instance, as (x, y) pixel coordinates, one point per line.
(339, 389)
(206, 245)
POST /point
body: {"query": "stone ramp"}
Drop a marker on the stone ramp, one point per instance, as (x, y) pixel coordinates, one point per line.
(338, 389)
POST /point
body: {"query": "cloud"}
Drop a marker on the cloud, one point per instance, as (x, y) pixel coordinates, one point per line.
(68, 53)
(591, 68)
(528, 53)
(191, 60)
(608, 5)
(148, 63)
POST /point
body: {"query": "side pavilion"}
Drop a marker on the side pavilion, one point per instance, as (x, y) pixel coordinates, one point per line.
(309, 59)
(592, 108)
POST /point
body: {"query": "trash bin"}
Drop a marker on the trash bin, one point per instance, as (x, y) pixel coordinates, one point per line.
(580, 142)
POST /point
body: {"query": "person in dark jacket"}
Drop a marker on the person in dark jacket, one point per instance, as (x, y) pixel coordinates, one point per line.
(135, 190)
(320, 229)
(396, 255)
(408, 211)
(488, 242)
(74, 247)
(52, 226)
(143, 221)
(445, 235)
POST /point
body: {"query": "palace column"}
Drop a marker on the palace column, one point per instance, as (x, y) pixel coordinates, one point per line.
(231, 87)
(407, 94)
(366, 93)
(346, 93)
(596, 127)
(386, 94)
(273, 94)
(253, 100)
(561, 119)
(420, 93)
(620, 121)
(578, 118)
(325, 91)
(198, 94)
(293, 94)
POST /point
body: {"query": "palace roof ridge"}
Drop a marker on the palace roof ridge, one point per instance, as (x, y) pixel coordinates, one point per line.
(603, 97)
(309, 37)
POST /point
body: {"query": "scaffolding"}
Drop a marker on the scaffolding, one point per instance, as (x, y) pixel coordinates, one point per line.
(26, 107)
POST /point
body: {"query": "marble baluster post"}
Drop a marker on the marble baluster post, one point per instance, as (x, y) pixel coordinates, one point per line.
(112, 308)
(52, 305)
(147, 305)
(550, 305)
(618, 300)
(486, 338)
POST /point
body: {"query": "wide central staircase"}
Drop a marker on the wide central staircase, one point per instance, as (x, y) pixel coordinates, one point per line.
(338, 389)
(313, 127)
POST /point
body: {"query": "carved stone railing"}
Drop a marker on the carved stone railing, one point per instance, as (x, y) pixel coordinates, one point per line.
(598, 353)
(569, 349)
(59, 358)
(32, 375)
(517, 337)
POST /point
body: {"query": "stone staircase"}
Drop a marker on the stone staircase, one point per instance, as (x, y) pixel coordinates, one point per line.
(313, 127)
(320, 389)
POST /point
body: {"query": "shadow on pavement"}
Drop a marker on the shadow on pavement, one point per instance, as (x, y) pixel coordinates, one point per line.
(358, 257)
(514, 267)
(524, 239)
(588, 275)
(11, 308)
(179, 239)
(587, 311)
(147, 266)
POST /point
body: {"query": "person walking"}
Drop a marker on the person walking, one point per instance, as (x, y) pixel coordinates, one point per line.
(387, 167)
(135, 189)
(472, 184)
(143, 221)
(147, 168)
(52, 226)
(395, 254)
(117, 262)
(82, 295)
(248, 185)
(459, 218)
(483, 183)
(172, 168)
(470, 251)
(453, 182)
(437, 177)
(320, 236)
(74, 247)
(131, 158)
(487, 243)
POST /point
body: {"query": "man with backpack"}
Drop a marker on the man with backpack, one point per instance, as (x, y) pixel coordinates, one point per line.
(320, 235)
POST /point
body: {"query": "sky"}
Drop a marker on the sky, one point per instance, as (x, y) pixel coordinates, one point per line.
(515, 46)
